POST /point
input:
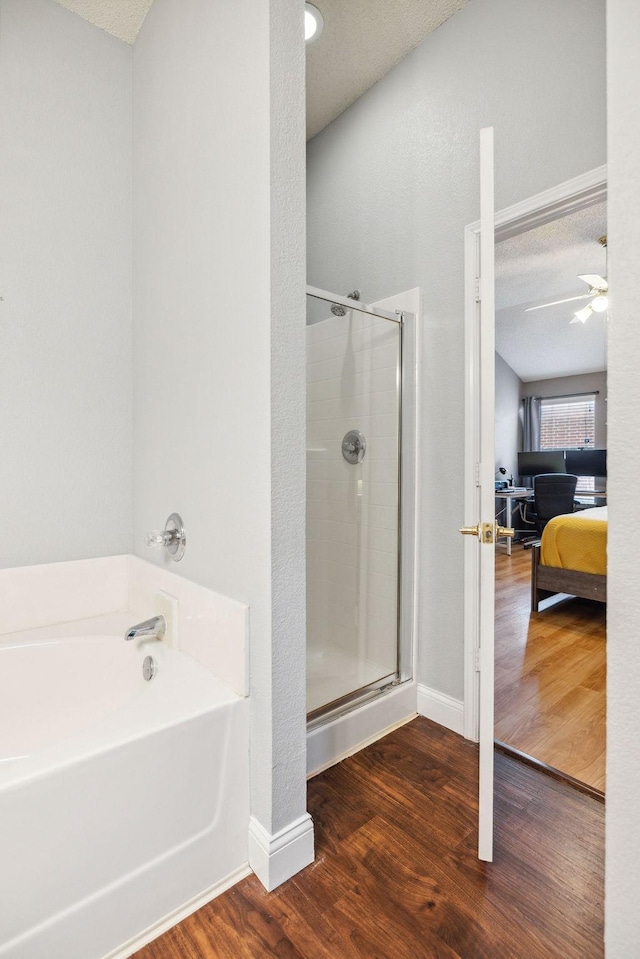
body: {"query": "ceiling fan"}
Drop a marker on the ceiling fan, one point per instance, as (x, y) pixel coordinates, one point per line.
(598, 291)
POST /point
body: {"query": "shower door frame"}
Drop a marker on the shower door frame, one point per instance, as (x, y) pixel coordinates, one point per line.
(405, 566)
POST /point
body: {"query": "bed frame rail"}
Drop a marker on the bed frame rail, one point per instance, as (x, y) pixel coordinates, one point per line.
(548, 580)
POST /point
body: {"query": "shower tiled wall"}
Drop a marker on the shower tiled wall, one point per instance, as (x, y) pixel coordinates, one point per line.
(352, 511)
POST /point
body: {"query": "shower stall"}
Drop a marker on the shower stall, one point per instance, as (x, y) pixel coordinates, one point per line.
(360, 500)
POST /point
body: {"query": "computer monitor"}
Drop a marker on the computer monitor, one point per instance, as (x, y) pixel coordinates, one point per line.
(541, 461)
(586, 462)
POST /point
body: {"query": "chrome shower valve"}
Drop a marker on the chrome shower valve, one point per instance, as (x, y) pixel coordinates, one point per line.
(172, 538)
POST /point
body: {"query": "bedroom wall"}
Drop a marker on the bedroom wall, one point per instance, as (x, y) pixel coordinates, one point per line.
(508, 433)
(392, 183)
(580, 383)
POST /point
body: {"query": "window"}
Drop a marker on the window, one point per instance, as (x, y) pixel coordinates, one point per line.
(569, 422)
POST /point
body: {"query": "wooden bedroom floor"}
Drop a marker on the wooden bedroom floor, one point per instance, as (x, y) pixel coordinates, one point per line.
(550, 675)
(397, 876)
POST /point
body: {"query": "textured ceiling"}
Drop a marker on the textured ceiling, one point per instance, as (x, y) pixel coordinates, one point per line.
(122, 18)
(361, 41)
(540, 266)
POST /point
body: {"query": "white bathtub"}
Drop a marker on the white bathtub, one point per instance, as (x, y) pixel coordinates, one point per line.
(123, 803)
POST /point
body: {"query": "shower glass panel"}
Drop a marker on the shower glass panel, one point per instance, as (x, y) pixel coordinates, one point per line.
(353, 502)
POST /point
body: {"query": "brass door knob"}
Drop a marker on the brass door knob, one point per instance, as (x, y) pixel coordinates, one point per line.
(487, 532)
(505, 531)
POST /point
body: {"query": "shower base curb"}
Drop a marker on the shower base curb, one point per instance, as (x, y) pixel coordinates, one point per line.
(345, 735)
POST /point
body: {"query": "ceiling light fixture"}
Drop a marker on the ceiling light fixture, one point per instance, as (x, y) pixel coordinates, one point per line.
(600, 300)
(313, 22)
(600, 303)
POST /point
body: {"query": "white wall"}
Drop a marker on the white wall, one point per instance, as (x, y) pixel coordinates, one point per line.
(219, 337)
(508, 431)
(65, 275)
(201, 281)
(392, 183)
(622, 923)
(352, 509)
(282, 663)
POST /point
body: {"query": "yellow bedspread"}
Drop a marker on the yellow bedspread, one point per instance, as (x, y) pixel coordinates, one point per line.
(577, 541)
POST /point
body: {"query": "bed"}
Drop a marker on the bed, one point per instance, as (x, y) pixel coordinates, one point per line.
(571, 557)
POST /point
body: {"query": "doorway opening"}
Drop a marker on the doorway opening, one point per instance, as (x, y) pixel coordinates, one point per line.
(550, 660)
(550, 417)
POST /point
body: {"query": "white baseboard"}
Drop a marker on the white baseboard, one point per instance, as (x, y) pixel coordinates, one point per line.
(173, 918)
(276, 858)
(440, 708)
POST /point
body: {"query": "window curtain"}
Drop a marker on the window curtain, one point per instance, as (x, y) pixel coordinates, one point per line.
(531, 406)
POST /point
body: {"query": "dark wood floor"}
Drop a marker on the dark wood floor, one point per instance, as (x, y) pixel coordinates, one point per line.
(396, 874)
(550, 675)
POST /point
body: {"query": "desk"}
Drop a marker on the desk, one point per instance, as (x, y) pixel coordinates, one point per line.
(508, 495)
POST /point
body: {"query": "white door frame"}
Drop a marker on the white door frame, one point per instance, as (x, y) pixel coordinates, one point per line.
(568, 197)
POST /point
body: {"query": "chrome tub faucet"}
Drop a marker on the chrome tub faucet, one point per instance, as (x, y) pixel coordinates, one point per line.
(153, 628)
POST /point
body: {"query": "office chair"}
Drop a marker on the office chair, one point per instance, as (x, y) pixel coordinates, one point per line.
(552, 495)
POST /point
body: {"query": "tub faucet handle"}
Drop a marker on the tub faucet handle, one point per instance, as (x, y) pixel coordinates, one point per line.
(172, 538)
(158, 539)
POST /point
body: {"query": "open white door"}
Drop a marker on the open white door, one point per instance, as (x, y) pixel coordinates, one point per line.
(481, 513)
(479, 600)
(486, 476)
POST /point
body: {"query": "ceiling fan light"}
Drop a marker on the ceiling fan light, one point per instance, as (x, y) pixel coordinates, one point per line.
(582, 315)
(600, 303)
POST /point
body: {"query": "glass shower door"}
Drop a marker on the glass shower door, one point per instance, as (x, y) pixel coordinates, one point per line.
(353, 502)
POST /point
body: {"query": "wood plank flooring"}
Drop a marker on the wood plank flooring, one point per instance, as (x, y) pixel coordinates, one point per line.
(396, 874)
(550, 675)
